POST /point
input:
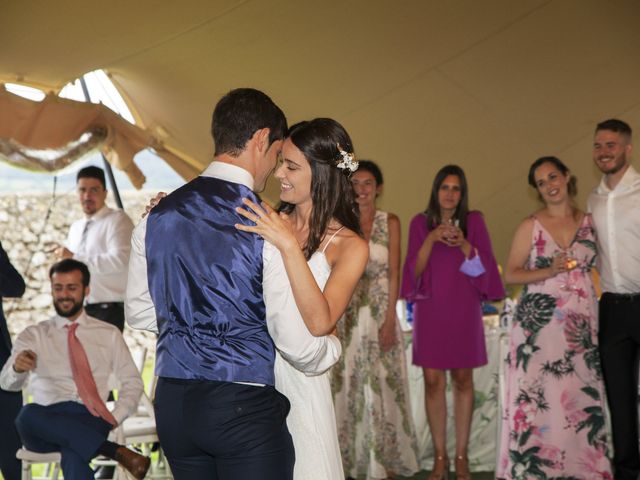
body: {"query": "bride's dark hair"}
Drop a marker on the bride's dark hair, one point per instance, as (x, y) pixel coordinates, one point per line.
(331, 191)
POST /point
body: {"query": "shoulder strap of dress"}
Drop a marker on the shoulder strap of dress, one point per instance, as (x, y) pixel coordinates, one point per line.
(331, 238)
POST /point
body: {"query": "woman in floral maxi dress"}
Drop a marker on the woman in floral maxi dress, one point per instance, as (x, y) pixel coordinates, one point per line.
(369, 382)
(553, 424)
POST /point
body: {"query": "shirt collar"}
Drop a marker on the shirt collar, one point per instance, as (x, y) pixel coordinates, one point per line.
(630, 179)
(230, 173)
(62, 322)
(100, 213)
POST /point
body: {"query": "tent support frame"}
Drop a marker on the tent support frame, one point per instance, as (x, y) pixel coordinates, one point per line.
(107, 165)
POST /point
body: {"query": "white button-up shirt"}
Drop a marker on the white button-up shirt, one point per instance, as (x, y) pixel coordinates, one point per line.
(616, 216)
(52, 381)
(309, 354)
(105, 250)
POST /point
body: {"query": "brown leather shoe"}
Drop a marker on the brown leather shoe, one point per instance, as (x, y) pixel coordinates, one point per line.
(136, 464)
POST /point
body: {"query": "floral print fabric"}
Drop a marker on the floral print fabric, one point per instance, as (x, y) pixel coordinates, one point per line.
(553, 424)
(370, 388)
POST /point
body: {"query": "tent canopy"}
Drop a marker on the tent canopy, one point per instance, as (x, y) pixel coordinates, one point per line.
(418, 84)
(50, 134)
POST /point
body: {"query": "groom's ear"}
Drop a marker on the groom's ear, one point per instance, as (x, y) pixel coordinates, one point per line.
(261, 138)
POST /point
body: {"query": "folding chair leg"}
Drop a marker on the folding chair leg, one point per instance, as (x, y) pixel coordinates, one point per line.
(121, 474)
(26, 470)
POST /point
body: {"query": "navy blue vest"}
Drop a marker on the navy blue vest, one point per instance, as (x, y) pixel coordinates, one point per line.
(205, 280)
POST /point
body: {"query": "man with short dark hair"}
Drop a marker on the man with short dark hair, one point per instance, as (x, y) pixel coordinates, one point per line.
(615, 206)
(213, 295)
(102, 240)
(69, 360)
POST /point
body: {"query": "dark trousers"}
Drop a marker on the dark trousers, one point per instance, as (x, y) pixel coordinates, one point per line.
(10, 404)
(65, 427)
(110, 312)
(619, 338)
(223, 431)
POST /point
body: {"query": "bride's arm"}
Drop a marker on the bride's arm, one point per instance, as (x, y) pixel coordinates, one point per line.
(309, 354)
(348, 259)
(319, 310)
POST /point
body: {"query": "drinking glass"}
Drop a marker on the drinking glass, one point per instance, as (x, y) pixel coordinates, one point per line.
(452, 228)
(571, 262)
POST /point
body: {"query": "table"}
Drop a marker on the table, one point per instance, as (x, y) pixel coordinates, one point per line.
(486, 415)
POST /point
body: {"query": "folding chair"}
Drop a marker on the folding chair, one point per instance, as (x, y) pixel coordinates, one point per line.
(52, 460)
(29, 458)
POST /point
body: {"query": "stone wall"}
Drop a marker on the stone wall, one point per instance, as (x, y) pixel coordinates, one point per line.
(30, 225)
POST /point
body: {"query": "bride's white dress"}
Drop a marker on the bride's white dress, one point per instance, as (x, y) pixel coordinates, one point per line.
(312, 420)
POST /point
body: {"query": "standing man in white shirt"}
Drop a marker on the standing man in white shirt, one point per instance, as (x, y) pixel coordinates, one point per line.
(615, 206)
(69, 360)
(102, 240)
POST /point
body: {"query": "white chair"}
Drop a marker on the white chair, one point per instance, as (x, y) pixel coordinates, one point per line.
(52, 462)
(28, 458)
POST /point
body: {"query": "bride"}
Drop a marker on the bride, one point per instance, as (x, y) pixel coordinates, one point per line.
(317, 233)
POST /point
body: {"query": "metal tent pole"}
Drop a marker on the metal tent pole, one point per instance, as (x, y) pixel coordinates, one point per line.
(107, 165)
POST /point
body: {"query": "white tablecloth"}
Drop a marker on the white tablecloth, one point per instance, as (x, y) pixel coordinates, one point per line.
(484, 428)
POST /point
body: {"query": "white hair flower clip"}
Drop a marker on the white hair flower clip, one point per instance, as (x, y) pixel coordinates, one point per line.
(347, 161)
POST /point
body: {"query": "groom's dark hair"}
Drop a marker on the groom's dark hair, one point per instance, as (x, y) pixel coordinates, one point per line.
(239, 114)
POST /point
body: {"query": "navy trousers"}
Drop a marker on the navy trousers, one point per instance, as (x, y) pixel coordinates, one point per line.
(65, 427)
(223, 431)
(10, 404)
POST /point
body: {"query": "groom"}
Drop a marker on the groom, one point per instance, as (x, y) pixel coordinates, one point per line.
(198, 281)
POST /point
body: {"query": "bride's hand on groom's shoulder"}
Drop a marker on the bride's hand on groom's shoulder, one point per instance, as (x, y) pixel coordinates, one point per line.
(272, 226)
(153, 202)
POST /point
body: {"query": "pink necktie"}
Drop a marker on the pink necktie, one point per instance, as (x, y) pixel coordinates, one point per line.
(83, 378)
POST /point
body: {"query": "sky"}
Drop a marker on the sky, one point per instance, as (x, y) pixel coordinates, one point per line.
(159, 175)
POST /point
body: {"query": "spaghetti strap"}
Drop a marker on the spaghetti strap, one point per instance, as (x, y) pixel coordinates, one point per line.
(329, 241)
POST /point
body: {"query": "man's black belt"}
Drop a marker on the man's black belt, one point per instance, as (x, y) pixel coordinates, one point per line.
(622, 297)
(104, 304)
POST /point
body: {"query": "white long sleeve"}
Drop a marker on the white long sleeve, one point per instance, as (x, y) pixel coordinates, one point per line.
(616, 217)
(140, 312)
(309, 354)
(52, 382)
(105, 249)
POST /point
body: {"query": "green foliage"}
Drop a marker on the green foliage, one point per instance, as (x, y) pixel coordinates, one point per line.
(592, 392)
(595, 423)
(535, 310)
(543, 262)
(590, 244)
(561, 367)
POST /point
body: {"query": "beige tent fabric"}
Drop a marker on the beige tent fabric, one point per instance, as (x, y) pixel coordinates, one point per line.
(490, 85)
(67, 129)
(49, 160)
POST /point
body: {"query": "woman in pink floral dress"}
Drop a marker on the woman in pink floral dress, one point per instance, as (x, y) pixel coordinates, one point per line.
(553, 423)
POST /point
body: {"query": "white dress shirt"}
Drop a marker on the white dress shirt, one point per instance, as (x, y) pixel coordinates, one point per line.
(312, 355)
(616, 216)
(105, 250)
(52, 381)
